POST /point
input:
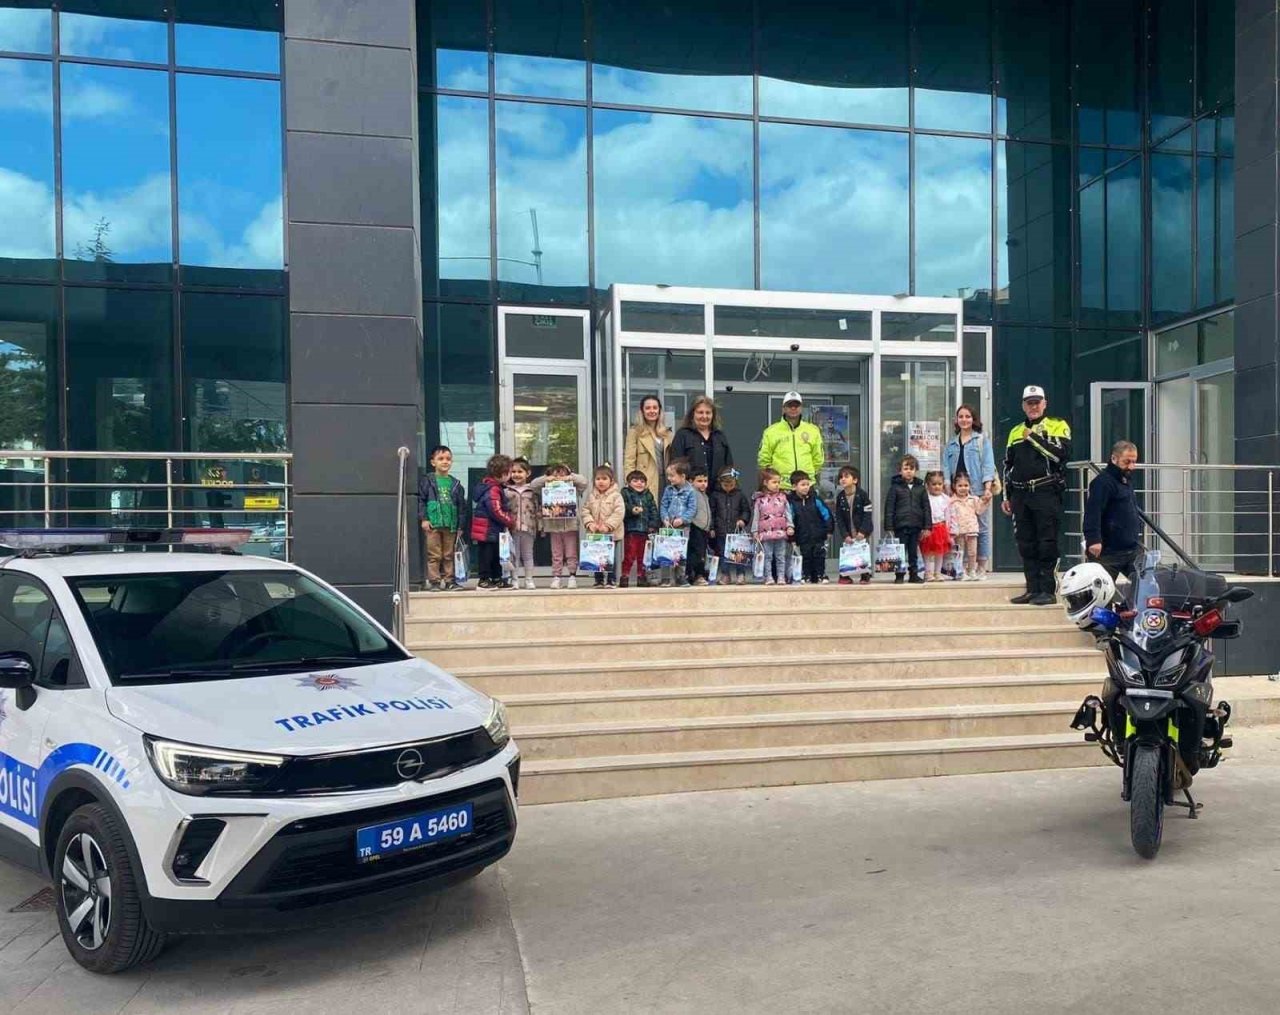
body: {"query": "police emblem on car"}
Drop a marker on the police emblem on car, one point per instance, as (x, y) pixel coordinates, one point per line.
(327, 681)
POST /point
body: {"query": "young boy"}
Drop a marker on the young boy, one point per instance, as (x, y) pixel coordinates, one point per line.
(812, 520)
(679, 505)
(696, 563)
(639, 523)
(853, 514)
(906, 514)
(442, 510)
(491, 518)
(730, 514)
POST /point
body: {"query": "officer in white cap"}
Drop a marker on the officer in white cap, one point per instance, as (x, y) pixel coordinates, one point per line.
(1035, 484)
(792, 444)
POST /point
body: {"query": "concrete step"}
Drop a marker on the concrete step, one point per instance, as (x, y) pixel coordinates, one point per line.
(832, 696)
(524, 678)
(796, 729)
(881, 592)
(638, 775)
(717, 619)
(777, 642)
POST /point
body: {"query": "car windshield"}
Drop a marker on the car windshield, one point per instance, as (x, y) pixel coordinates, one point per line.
(201, 625)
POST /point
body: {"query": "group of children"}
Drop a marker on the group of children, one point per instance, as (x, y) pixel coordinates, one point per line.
(782, 523)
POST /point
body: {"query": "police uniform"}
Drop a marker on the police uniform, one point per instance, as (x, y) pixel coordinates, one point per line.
(1035, 463)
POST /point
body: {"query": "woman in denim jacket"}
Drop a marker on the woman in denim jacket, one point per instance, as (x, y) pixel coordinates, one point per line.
(969, 453)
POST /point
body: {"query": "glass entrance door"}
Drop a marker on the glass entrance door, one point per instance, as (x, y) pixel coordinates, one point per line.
(1118, 411)
(544, 415)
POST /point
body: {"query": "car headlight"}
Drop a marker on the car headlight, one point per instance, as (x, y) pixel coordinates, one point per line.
(496, 724)
(205, 771)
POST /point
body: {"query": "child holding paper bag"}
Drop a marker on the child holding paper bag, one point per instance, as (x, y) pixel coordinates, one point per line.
(559, 489)
(602, 513)
(853, 516)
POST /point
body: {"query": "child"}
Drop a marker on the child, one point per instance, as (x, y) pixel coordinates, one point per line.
(906, 513)
(963, 521)
(935, 544)
(695, 564)
(679, 505)
(772, 525)
(602, 512)
(442, 507)
(640, 522)
(489, 518)
(561, 529)
(523, 505)
(730, 514)
(853, 514)
(812, 521)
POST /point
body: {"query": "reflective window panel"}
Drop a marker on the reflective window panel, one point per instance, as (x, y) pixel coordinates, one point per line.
(25, 30)
(451, 45)
(953, 217)
(543, 336)
(454, 167)
(258, 15)
(917, 402)
(1033, 232)
(460, 357)
(690, 55)
(673, 200)
(1033, 69)
(664, 318)
(820, 61)
(782, 322)
(115, 174)
(221, 48)
(119, 369)
(28, 368)
(230, 206)
(1226, 238)
(953, 66)
(542, 202)
(538, 48)
(1215, 54)
(901, 326)
(113, 38)
(1125, 253)
(27, 231)
(676, 376)
(1171, 236)
(1108, 48)
(234, 372)
(828, 189)
(1171, 65)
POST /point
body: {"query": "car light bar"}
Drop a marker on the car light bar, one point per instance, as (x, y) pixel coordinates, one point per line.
(53, 539)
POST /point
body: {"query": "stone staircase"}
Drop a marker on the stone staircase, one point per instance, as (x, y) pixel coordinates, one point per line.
(638, 691)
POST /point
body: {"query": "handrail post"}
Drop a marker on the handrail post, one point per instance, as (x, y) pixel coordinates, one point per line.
(48, 513)
(400, 584)
(1186, 505)
(288, 513)
(168, 492)
(1271, 523)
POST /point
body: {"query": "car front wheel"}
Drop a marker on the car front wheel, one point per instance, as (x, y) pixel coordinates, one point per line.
(96, 892)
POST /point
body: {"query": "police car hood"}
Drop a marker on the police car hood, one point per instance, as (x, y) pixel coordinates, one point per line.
(306, 712)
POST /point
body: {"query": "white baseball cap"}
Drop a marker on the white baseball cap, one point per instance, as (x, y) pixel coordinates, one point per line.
(792, 396)
(1032, 391)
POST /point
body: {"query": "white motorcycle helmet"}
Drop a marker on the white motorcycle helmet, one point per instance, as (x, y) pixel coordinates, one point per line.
(1083, 588)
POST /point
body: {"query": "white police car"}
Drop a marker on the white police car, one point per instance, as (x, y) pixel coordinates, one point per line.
(205, 741)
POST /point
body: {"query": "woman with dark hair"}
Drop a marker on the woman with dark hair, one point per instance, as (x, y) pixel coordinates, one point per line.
(647, 445)
(969, 453)
(701, 441)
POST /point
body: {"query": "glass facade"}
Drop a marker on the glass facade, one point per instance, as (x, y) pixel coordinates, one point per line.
(141, 226)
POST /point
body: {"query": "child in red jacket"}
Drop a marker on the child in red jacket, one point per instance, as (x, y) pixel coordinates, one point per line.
(489, 518)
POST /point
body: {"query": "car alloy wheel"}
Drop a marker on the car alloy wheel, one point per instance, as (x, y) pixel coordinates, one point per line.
(86, 891)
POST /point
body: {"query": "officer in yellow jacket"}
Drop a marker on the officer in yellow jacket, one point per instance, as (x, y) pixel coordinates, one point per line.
(791, 443)
(1035, 484)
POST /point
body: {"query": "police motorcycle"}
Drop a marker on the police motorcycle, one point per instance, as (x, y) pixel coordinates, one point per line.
(1155, 717)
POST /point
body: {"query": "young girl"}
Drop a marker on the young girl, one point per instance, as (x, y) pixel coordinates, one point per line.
(772, 524)
(603, 512)
(936, 543)
(561, 527)
(963, 515)
(524, 506)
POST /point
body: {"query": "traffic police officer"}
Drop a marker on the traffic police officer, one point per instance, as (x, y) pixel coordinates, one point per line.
(1035, 483)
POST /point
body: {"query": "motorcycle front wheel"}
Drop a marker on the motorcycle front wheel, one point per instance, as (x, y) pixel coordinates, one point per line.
(1146, 803)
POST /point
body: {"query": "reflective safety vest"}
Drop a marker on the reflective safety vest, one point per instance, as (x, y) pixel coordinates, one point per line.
(1037, 453)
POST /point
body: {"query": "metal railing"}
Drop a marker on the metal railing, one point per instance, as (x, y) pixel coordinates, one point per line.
(400, 573)
(151, 489)
(1224, 516)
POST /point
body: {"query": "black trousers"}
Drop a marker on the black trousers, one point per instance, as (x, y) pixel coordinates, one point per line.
(695, 565)
(815, 561)
(490, 566)
(1037, 520)
(910, 538)
(1118, 562)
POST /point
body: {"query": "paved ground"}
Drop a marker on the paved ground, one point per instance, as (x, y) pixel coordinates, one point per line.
(1003, 893)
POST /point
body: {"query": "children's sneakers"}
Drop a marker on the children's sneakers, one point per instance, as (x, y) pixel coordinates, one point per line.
(555, 582)
(571, 582)
(528, 583)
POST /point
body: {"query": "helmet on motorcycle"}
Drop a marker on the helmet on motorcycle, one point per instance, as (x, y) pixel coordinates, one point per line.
(1083, 588)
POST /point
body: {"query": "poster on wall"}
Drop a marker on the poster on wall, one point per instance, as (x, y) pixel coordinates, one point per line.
(924, 440)
(833, 422)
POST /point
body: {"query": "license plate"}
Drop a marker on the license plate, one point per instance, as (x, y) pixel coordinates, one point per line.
(413, 832)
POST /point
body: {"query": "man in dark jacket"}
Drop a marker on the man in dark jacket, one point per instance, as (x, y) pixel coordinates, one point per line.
(907, 514)
(812, 520)
(1112, 528)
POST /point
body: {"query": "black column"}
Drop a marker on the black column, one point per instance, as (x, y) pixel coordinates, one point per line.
(355, 283)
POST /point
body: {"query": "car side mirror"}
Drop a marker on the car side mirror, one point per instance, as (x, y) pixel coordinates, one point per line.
(1238, 594)
(1227, 629)
(16, 670)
